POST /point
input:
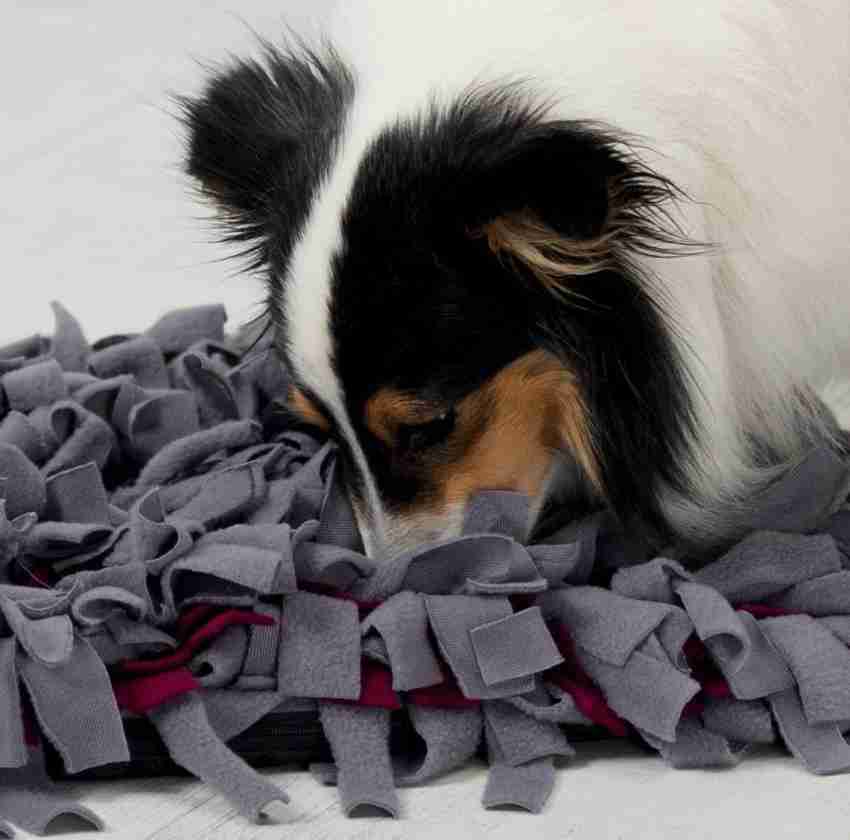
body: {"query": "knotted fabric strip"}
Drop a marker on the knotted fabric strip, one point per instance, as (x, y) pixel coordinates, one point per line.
(359, 739)
(191, 741)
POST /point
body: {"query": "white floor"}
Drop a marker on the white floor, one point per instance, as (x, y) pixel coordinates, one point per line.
(94, 212)
(612, 791)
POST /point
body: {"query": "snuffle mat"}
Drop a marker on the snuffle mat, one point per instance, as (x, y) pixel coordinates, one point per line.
(174, 548)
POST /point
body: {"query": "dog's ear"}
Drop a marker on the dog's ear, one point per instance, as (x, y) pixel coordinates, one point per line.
(570, 198)
(557, 171)
(238, 137)
(260, 132)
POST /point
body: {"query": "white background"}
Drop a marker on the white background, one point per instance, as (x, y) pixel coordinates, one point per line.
(94, 208)
(95, 212)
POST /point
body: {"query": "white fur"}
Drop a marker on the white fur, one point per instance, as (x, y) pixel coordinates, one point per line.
(307, 295)
(745, 105)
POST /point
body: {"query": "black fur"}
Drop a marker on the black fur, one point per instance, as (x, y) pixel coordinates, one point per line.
(260, 138)
(421, 304)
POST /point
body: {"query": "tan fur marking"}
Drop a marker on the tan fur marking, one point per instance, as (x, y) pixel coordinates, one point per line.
(527, 411)
(304, 407)
(639, 221)
(550, 256)
(389, 408)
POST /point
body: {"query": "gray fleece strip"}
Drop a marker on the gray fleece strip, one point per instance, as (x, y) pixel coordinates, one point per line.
(750, 664)
(550, 703)
(651, 581)
(760, 671)
(337, 524)
(181, 454)
(519, 738)
(748, 721)
(219, 664)
(450, 737)
(155, 541)
(820, 747)
(140, 356)
(69, 345)
(513, 647)
(803, 497)
(76, 708)
(838, 625)
(296, 498)
(766, 562)
(820, 664)
(319, 647)
(216, 399)
(329, 565)
(402, 622)
(34, 385)
(231, 712)
(696, 747)
(359, 740)
(122, 637)
(158, 420)
(179, 329)
(498, 512)
(478, 564)
(13, 751)
(521, 752)
(261, 658)
(452, 617)
(580, 538)
(827, 595)
(79, 435)
(77, 495)
(16, 429)
(527, 786)
(224, 497)
(30, 800)
(602, 622)
(47, 641)
(21, 484)
(192, 742)
(648, 693)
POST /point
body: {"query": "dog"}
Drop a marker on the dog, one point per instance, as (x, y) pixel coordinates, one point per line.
(594, 252)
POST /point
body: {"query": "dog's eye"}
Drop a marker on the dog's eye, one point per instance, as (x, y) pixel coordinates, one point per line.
(416, 437)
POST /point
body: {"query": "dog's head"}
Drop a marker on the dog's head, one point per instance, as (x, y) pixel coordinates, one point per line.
(455, 289)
